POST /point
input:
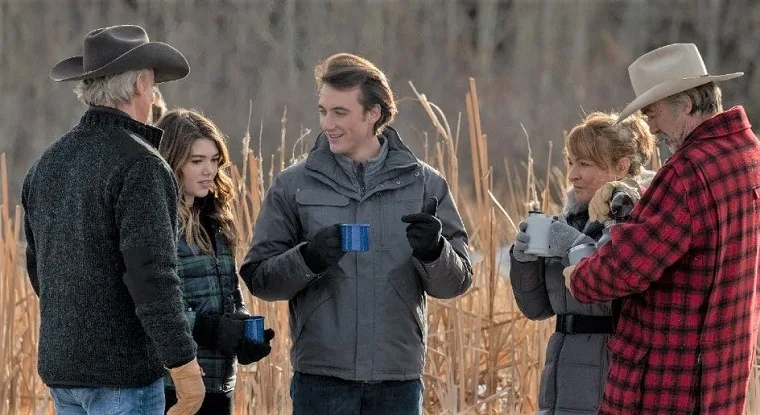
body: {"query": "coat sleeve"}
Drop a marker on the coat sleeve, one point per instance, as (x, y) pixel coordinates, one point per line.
(146, 214)
(273, 268)
(450, 275)
(657, 236)
(31, 251)
(529, 288)
(239, 304)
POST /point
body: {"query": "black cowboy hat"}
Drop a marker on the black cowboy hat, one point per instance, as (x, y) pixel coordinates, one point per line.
(118, 49)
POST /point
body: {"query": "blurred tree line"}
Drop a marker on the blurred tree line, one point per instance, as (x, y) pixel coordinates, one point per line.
(539, 63)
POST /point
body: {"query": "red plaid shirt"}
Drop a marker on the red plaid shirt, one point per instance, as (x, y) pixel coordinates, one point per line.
(687, 261)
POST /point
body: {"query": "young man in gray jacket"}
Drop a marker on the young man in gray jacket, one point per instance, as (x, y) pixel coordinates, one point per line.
(357, 320)
(101, 228)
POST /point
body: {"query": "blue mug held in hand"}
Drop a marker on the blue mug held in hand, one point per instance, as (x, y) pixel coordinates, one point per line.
(354, 237)
(254, 329)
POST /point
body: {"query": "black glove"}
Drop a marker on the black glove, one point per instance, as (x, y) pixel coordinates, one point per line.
(249, 352)
(222, 332)
(424, 232)
(324, 250)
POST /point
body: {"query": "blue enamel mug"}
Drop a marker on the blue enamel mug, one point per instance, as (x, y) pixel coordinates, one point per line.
(254, 329)
(354, 237)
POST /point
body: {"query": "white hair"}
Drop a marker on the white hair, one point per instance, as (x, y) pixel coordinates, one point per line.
(109, 91)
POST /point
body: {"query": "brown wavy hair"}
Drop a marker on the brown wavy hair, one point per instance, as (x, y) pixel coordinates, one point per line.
(345, 71)
(181, 128)
(600, 140)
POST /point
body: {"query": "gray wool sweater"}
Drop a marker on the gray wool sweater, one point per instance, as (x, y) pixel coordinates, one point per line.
(101, 223)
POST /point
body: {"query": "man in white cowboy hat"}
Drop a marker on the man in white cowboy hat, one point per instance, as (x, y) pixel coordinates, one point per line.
(100, 225)
(686, 263)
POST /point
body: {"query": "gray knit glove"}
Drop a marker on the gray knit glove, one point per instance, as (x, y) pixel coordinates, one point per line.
(562, 237)
(521, 244)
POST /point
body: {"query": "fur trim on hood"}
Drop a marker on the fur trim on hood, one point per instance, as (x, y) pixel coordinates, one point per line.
(644, 179)
(573, 206)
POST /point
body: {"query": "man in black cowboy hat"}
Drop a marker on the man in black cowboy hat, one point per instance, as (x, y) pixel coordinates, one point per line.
(101, 226)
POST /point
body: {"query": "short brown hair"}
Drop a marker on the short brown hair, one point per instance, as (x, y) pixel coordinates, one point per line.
(705, 99)
(600, 140)
(344, 71)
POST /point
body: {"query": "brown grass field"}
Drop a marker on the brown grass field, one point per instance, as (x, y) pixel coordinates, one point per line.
(483, 356)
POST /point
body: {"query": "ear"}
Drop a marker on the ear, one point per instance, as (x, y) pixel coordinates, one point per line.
(622, 166)
(142, 85)
(685, 105)
(137, 88)
(373, 114)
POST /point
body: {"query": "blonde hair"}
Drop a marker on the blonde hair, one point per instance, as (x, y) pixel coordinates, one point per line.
(111, 90)
(600, 140)
(181, 128)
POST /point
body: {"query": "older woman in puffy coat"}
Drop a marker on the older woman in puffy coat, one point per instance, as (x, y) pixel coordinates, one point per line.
(598, 151)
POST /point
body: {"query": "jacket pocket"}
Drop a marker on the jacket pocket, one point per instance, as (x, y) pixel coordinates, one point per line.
(390, 229)
(408, 287)
(547, 393)
(318, 208)
(400, 325)
(305, 304)
(625, 380)
(198, 281)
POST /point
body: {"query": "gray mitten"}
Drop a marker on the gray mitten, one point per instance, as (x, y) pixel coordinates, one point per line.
(521, 244)
(562, 237)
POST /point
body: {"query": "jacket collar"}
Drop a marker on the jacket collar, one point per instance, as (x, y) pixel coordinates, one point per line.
(729, 122)
(371, 166)
(323, 162)
(572, 205)
(112, 117)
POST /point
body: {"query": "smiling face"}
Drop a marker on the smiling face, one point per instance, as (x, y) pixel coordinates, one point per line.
(349, 128)
(201, 168)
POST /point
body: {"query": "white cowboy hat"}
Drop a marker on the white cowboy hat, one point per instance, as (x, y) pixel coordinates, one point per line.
(667, 71)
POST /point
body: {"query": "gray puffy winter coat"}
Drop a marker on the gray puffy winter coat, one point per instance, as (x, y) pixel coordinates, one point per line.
(364, 319)
(573, 378)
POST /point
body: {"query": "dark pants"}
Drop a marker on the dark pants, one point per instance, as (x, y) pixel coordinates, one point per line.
(324, 395)
(218, 403)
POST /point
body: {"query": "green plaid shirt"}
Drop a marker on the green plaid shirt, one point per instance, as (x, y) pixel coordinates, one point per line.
(210, 286)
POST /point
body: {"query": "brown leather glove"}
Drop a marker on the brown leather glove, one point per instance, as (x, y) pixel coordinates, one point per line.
(568, 274)
(188, 383)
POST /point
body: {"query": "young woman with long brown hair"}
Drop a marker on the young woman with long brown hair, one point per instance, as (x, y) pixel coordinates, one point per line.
(196, 151)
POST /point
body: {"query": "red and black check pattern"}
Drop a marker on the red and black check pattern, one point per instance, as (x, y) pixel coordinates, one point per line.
(688, 259)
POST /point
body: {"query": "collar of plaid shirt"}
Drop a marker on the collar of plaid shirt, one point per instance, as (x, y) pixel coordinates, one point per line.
(728, 122)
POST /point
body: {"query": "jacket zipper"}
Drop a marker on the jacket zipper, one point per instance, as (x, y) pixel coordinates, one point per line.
(221, 303)
(360, 178)
(696, 388)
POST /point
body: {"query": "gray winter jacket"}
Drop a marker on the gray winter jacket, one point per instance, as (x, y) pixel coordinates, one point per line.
(365, 319)
(573, 378)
